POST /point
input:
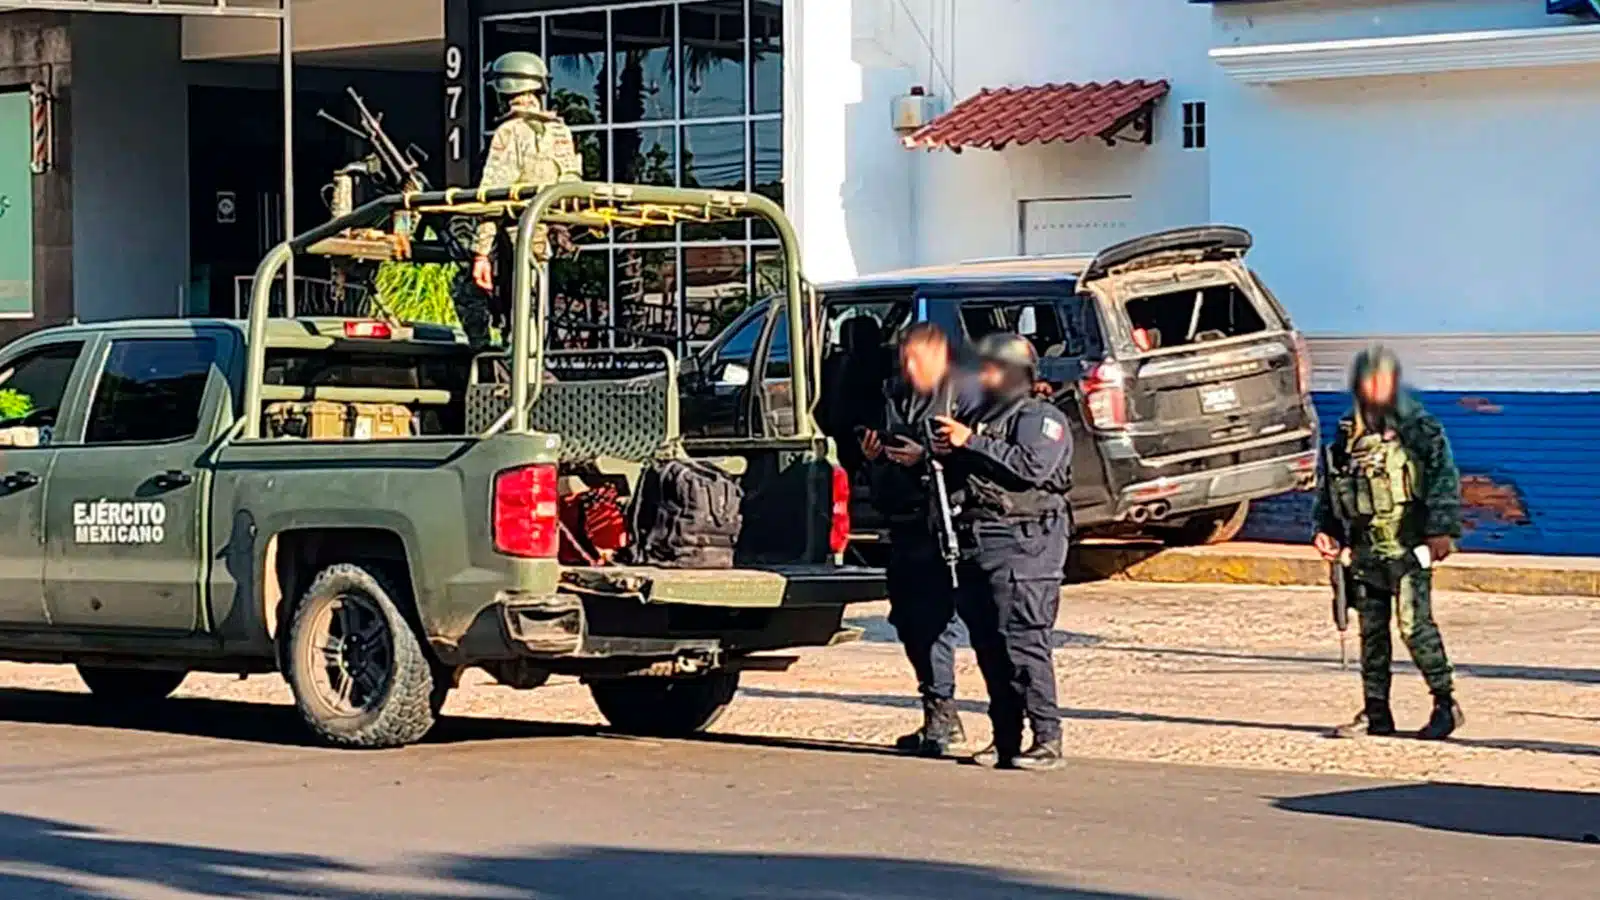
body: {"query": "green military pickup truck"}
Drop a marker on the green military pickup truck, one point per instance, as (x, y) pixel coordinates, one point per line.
(370, 507)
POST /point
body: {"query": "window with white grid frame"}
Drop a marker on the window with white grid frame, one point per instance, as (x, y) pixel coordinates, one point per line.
(669, 92)
(1194, 125)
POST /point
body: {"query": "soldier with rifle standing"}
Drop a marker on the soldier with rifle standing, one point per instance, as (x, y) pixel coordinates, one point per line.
(906, 490)
(1388, 508)
(532, 147)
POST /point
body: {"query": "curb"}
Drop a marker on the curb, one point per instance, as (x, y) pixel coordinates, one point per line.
(1284, 566)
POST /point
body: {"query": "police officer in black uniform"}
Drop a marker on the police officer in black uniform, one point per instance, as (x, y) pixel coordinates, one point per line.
(1014, 462)
(921, 597)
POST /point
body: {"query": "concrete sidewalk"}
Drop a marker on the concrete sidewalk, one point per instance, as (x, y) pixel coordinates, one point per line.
(1280, 564)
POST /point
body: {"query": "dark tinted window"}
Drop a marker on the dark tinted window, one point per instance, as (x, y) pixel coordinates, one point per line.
(1035, 320)
(151, 391)
(1082, 327)
(741, 345)
(32, 387)
(889, 314)
(778, 353)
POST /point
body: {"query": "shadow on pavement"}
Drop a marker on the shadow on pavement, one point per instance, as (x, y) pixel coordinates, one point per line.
(1532, 745)
(877, 630)
(1475, 670)
(1548, 715)
(277, 724)
(47, 860)
(817, 745)
(976, 707)
(237, 720)
(1464, 808)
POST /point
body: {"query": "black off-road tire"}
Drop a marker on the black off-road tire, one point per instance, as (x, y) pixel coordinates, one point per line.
(1215, 527)
(402, 712)
(665, 707)
(121, 685)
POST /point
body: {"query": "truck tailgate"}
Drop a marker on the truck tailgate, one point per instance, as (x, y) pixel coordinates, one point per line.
(1204, 396)
(766, 587)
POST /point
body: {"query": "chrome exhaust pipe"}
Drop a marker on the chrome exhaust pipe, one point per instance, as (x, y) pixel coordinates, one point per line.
(1160, 510)
(1139, 514)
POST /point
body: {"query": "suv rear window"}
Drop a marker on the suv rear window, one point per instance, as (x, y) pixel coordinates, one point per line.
(1193, 316)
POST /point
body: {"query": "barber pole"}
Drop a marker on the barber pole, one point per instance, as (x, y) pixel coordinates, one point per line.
(43, 138)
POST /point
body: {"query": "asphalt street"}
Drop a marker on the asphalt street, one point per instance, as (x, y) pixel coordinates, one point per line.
(212, 799)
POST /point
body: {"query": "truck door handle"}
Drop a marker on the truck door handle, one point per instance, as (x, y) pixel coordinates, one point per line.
(172, 478)
(19, 480)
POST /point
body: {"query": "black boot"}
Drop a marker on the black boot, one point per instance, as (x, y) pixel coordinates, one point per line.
(1446, 718)
(1043, 756)
(946, 733)
(1375, 719)
(940, 732)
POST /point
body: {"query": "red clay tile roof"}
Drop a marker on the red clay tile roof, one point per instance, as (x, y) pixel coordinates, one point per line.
(993, 119)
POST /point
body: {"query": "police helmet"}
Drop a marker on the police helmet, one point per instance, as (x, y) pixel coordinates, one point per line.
(518, 72)
(1008, 349)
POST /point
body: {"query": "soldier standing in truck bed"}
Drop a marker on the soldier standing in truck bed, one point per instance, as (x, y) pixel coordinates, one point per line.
(1390, 503)
(532, 148)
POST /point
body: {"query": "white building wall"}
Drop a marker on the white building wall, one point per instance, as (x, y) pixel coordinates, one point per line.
(1292, 21)
(1412, 204)
(866, 204)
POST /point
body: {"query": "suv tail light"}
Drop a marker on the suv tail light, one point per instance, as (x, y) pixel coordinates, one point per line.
(526, 522)
(839, 523)
(1104, 397)
(1302, 364)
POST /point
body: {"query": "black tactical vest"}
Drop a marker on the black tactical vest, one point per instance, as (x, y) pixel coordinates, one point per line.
(992, 495)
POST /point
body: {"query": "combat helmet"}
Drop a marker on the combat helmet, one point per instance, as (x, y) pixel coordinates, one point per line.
(518, 72)
(1008, 349)
(1374, 358)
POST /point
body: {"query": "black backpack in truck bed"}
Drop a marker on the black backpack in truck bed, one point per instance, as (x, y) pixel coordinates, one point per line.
(685, 514)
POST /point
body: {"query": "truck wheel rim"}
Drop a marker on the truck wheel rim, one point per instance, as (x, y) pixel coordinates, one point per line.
(353, 654)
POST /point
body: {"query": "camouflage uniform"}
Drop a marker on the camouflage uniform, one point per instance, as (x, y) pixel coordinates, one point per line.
(531, 148)
(1385, 489)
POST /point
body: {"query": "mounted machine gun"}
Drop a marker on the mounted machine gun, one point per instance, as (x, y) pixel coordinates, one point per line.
(387, 169)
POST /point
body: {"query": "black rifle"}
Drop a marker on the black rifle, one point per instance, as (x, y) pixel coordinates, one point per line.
(1339, 575)
(945, 525)
(402, 170)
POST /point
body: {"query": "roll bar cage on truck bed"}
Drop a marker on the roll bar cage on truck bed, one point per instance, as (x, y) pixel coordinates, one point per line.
(593, 205)
(661, 648)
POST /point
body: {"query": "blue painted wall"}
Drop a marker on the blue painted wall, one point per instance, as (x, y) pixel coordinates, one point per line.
(1530, 466)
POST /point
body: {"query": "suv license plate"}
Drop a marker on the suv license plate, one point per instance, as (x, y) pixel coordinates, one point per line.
(1218, 399)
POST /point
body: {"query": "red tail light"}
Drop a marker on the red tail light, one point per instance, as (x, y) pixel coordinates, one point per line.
(526, 523)
(368, 330)
(1104, 397)
(1302, 363)
(839, 526)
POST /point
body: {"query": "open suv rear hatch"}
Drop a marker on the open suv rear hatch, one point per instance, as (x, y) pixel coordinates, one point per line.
(1206, 371)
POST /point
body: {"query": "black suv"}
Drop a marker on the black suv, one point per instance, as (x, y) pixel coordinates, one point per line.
(1185, 383)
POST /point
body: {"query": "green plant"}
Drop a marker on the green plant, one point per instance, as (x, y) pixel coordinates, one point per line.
(419, 292)
(14, 404)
